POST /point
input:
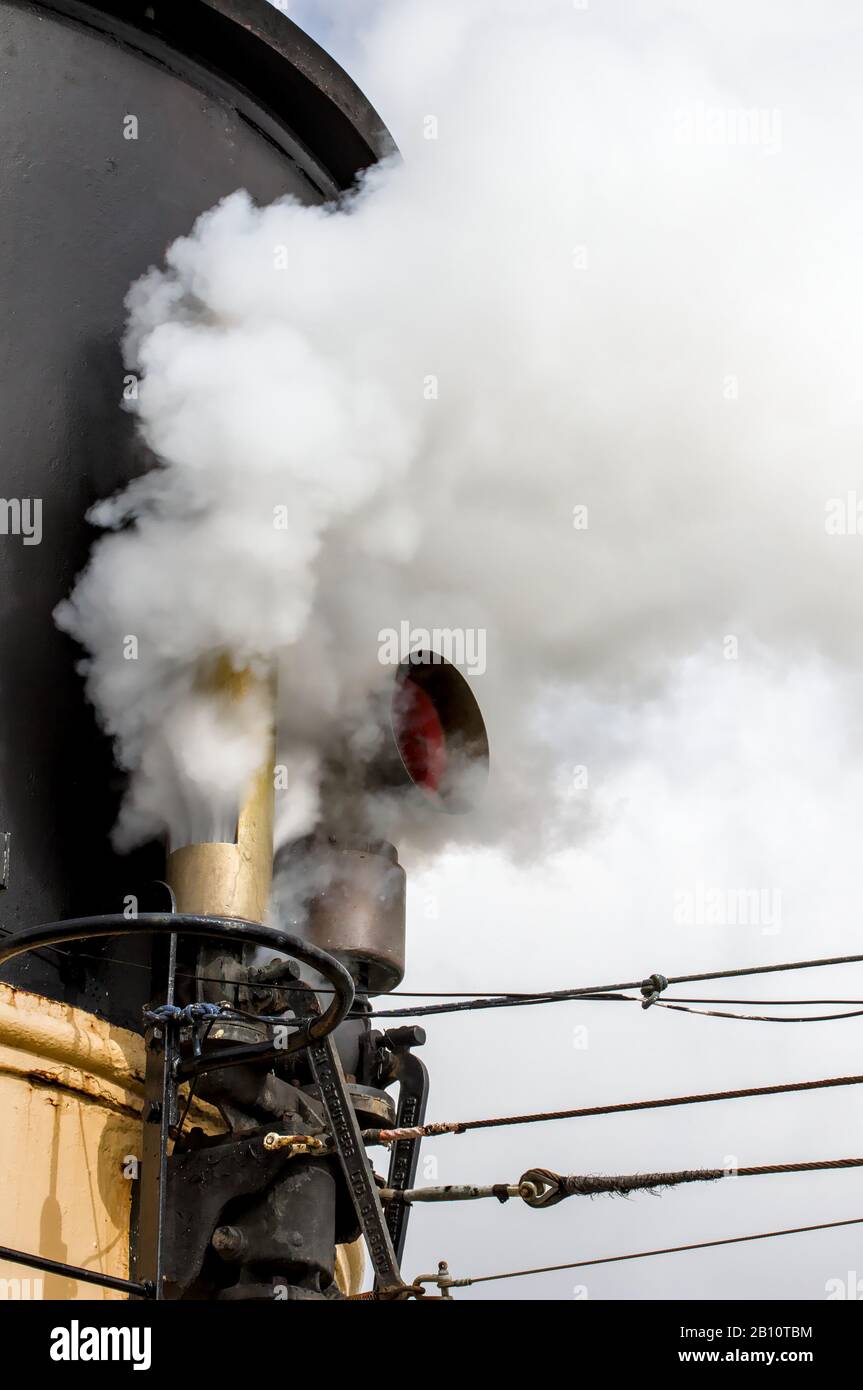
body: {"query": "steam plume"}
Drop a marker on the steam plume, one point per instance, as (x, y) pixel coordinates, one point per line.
(580, 373)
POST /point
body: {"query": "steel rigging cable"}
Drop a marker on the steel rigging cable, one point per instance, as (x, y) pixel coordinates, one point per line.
(556, 996)
(540, 1188)
(389, 1136)
(647, 1254)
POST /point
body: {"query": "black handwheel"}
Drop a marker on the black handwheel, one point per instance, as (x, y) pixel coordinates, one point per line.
(232, 930)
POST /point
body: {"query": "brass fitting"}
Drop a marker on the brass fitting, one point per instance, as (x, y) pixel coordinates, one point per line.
(299, 1143)
(232, 879)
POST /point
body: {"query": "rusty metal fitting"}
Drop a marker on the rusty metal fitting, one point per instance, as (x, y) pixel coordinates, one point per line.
(527, 1191)
(543, 1188)
(443, 1280)
(652, 988)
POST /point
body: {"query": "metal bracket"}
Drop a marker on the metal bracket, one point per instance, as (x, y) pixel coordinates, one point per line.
(160, 1102)
(405, 1153)
(329, 1077)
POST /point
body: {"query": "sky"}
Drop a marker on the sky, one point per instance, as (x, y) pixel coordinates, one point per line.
(743, 772)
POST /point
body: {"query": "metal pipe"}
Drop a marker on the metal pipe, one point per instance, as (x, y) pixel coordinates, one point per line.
(455, 1193)
(87, 1276)
(233, 878)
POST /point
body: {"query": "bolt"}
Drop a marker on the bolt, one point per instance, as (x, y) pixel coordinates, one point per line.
(296, 1239)
(228, 1242)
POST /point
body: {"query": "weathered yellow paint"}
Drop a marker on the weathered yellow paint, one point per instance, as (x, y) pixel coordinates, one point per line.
(350, 1266)
(70, 1100)
(71, 1093)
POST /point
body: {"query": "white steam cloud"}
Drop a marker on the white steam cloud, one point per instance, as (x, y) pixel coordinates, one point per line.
(580, 373)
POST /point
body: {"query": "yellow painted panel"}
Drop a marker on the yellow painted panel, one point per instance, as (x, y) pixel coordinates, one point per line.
(71, 1090)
